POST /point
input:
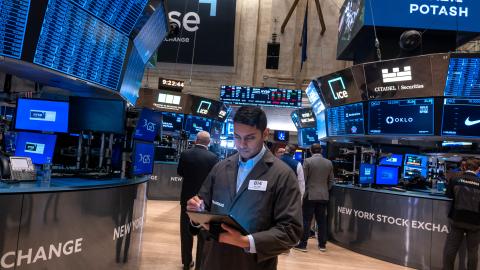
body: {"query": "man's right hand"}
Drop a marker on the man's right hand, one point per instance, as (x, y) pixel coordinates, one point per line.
(195, 204)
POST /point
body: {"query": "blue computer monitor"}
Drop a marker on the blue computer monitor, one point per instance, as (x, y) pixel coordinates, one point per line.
(148, 125)
(298, 155)
(392, 160)
(142, 158)
(42, 115)
(386, 176)
(367, 174)
(416, 160)
(410, 172)
(39, 147)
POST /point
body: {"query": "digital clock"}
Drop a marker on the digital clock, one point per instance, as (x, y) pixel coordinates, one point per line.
(169, 84)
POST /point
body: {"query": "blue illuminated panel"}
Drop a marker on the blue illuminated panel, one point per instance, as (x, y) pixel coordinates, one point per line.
(132, 79)
(122, 15)
(463, 79)
(13, 20)
(152, 34)
(345, 120)
(264, 96)
(66, 44)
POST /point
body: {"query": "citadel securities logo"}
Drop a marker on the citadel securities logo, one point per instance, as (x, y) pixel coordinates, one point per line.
(390, 120)
(15, 259)
(396, 75)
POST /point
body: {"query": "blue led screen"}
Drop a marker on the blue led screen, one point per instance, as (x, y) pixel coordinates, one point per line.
(453, 15)
(120, 14)
(461, 117)
(463, 78)
(387, 176)
(66, 44)
(143, 156)
(148, 125)
(13, 21)
(39, 147)
(345, 120)
(42, 115)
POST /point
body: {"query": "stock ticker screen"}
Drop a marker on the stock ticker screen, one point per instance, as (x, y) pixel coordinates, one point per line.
(261, 96)
(345, 120)
(66, 44)
(403, 117)
(13, 21)
(121, 15)
(461, 117)
(463, 79)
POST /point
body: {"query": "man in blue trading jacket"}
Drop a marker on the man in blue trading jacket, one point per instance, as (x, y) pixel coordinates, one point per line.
(260, 191)
(194, 166)
(464, 216)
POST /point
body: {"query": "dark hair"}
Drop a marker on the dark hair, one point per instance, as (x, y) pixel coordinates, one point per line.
(290, 149)
(251, 116)
(316, 148)
(472, 164)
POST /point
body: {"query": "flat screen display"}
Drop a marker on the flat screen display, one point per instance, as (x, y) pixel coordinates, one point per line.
(148, 125)
(298, 155)
(416, 160)
(13, 24)
(143, 157)
(228, 128)
(304, 118)
(402, 117)
(313, 95)
(392, 160)
(411, 172)
(172, 123)
(42, 115)
(216, 130)
(345, 120)
(97, 115)
(461, 117)
(264, 96)
(400, 78)
(39, 147)
(340, 88)
(307, 137)
(281, 135)
(463, 79)
(367, 174)
(350, 22)
(386, 176)
(195, 124)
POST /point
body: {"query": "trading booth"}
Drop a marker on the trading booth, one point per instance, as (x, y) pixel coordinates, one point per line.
(395, 130)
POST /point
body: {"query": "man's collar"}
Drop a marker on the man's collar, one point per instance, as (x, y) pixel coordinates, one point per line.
(317, 155)
(202, 146)
(256, 158)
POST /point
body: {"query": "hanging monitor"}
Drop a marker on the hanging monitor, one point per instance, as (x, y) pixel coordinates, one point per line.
(195, 124)
(340, 88)
(463, 78)
(281, 135)
(172, 123)
(307, 137)
(263, 96)
(345, 120)
(461, 117)
(42, 115)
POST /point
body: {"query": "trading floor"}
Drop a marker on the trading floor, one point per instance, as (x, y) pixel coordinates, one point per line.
(161, 247)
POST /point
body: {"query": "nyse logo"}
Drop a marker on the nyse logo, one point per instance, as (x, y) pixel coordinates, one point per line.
(390, 120)
(150, 126)
(338, 89)
(191, 20)
(34, 148)
(396, 75)
(145, 159)
(48, 116)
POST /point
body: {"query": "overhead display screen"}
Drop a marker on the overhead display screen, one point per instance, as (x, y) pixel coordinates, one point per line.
(400, 78)
(152, 34)
(345, 120)
(350, 23)
(340, 88)
(402, 117)
(172, 123)
(122, 15)
(461, 117)
(13, 21)
(304, 118)
(66, 44)
(463, 79)
(195, 124)
(313, 96)
(308, 136)
(264, 96)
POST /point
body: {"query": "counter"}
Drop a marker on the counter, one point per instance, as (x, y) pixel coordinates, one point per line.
(165, 183)
(72, 223)
(406, 228)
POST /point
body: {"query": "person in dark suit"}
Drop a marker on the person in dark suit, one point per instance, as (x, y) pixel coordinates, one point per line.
(260, 191)
(464, 216)
(194, 166)
(318, 181)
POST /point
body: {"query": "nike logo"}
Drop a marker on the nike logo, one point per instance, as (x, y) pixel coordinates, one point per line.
(471, 123)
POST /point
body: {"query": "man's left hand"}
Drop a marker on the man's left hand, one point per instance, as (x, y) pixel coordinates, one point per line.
(233, 237)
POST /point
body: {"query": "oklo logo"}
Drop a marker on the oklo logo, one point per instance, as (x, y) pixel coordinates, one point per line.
(390, 120)
(14, 259)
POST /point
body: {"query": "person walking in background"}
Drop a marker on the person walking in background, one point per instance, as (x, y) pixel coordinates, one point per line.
(464, 216)
(280, 151)
(194, 166)
(318, 181)
(296, 166)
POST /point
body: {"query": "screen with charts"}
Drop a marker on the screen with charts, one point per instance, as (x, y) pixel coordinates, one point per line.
(39, 147)
(307, 137)
(403, 117)
(461, 117)
(13, 22)
(148, 125)
(386, 176)
(265, 96)
(416, 160)
(463, 79)
(367, 174)
(304, 118)
(172, 123)
(42, 115)
(410, 172)
(345, 120)
(143, 157)
(195, 124)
